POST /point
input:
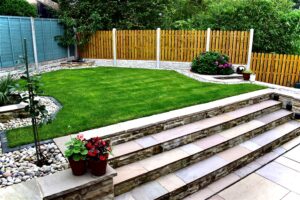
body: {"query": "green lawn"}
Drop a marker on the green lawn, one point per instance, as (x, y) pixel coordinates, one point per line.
(93, 98)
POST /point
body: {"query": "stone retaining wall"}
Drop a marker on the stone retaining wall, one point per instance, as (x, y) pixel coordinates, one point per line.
(63, 185)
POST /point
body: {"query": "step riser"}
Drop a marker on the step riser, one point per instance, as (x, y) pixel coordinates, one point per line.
(222, 172)
(133, 134)
(148, 152)
(128, 185)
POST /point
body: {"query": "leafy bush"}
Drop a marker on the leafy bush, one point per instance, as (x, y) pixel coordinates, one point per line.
(212, 63)
(17, 8)
(276, 24)
(6, 89)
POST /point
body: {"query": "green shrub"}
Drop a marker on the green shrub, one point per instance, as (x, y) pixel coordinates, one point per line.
(17, 8)
(212, 63)
(6, 88)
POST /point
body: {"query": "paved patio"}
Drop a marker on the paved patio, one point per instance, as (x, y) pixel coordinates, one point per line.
(279, 180)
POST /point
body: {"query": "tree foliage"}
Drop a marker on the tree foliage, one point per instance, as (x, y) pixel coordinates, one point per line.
(87, 16)
(17, 8)
(276, 24)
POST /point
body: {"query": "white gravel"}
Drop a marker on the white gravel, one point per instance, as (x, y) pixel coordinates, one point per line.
(18, 166)
(51, 107)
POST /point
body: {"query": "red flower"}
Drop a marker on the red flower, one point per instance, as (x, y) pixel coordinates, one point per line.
(103, 143)
(89, 145)
(93, 153)
(102, 157)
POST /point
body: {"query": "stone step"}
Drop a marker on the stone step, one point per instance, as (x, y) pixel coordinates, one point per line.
(147, 146)
(278, 155)
(137, 128)
(175, 159)
(188, 180)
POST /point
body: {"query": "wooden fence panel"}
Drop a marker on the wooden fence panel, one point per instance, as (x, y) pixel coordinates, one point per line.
(233, 43)
(100, 46)
(276, 68)
(182, 45)
(136, 44)
(176, 45)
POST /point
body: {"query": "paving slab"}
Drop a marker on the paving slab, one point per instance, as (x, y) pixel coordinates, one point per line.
(288, 163)
(210, 141)
(163, 159)
(223, 182)
(128, 171)
(148, 191)
(171, 182)
(247, 169)
(291, 196)
(282, 175)
(146, 141)
(254, 187)
(233, 153)
(200, 169)
(25, 191)
(294, 154)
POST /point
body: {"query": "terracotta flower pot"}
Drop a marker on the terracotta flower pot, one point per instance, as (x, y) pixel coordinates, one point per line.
(246, 76)
(78, 167)
(97, 167)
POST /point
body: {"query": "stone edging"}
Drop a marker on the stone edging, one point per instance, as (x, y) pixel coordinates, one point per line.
(3, 138)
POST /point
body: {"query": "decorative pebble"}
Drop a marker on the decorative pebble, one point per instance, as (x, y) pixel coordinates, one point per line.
(19, 166)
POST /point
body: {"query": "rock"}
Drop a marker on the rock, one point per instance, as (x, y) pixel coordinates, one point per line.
(6, 174)
(24, 178)
(17, 180)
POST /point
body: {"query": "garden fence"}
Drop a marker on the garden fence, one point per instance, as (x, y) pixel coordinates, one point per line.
(280, 69)
(168, 45)
(40, 34)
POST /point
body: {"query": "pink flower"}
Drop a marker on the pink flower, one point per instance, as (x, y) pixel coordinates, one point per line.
(80, 137)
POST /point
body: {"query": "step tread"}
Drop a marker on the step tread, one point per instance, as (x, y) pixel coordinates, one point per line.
(167, 157)
(147, 141)
(204, 167)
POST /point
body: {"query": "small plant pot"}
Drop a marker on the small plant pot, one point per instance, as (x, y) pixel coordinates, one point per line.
(276, 97)
(78, 167)
(297, 115)
(297, 85)
(97, 167)
(246, 76)
(289, 106)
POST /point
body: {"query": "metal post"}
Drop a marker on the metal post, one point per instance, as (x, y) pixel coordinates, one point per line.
(208, 39)
(31, 99)
(114, 43)
(34, 44)
(158, 47)
(250, 48)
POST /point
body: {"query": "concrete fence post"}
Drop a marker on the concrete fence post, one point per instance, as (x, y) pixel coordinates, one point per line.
(114, 46)
(250, 48)
(208, 39)
(34, 44)
(158, 47)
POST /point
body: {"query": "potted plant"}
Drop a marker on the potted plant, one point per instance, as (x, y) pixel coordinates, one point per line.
(246, 74)
(240, 69)
(98, 152)
(76, 153)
